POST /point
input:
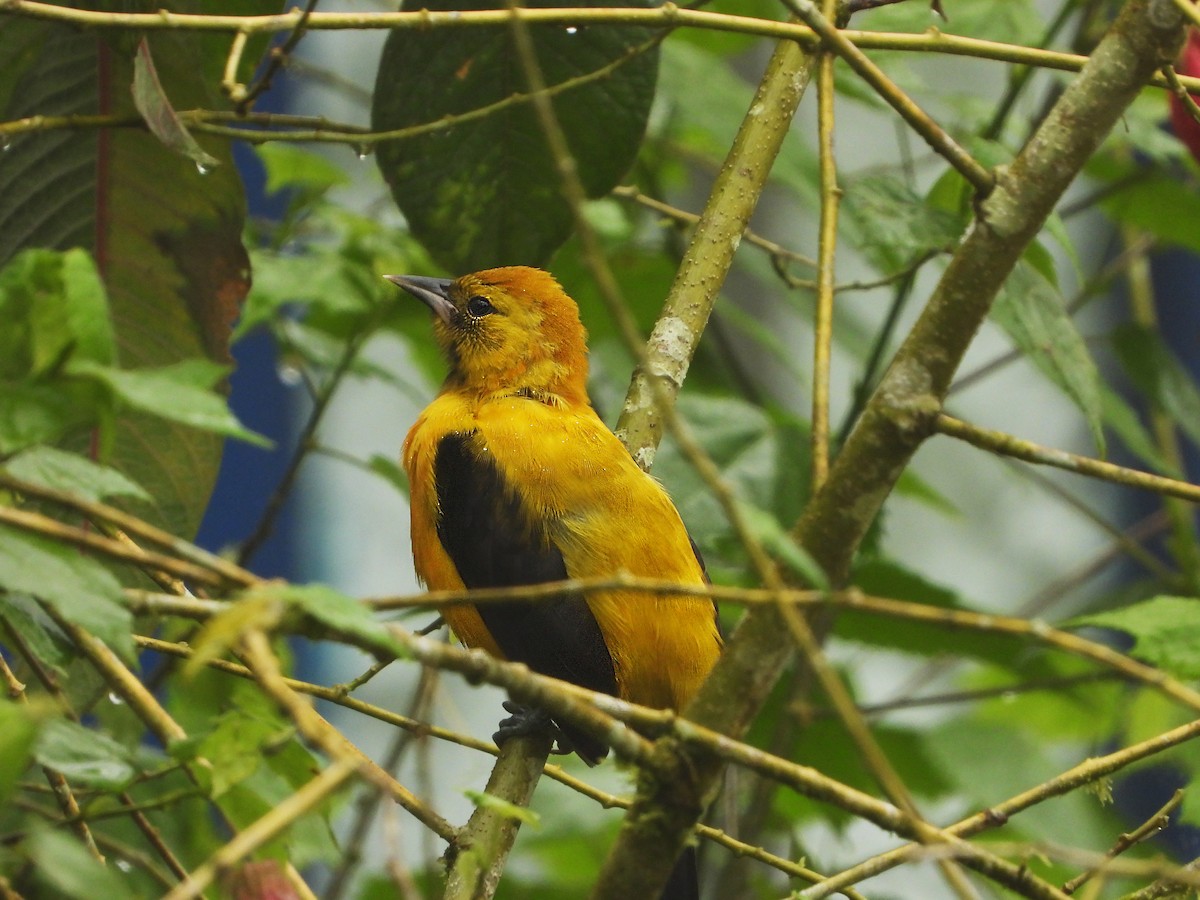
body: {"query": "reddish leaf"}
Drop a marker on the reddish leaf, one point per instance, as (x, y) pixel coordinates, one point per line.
(1186, 128)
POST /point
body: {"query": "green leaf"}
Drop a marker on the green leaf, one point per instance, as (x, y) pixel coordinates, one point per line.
(18, 731)
(332, 608)
(237, 745)
(1031, 310)
(54, 306)
(82, 590)
(706, 121)
(41, 413)
(892, 226)
(311, 837)
(913, 486)
(160, 117)
(1154, 369)
(387, 468)
(22, 615)
(74, 474)
(761, 455)
(66, 867)
(1123, 421)
(887, 578)
(279, 775)
(504, 808)
(1142, 195)
(825, 745)
(1163, 629)
(986, 761)
(1090, 710)
(486, 192)
(167, 239)
(1013, 21)
(85, 755)
(181, 392)
(776, 540)
(290, 167)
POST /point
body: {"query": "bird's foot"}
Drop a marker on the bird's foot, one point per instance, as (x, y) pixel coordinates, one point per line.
(526, 721)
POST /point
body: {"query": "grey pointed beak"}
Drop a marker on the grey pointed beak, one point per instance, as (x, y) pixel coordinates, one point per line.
(433, 292)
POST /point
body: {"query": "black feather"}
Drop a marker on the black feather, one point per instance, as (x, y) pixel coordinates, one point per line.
(493, 541)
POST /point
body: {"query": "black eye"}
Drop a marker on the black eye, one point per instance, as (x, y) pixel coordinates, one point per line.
(479, 306)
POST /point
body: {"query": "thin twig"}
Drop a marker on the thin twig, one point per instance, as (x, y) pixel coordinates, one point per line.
(319, 732)
(920, 121)
(1169, 885)
(233, 88)
(682, 216)
(1147, 829)
(368, 804)
(826, 252)
(668, 16)
(304, 444)
(137, 528)
(58, 783)
(1185, 96)
(1007, 444)
(36, 523)
(280, 817)
(277, 59)
(51, 686)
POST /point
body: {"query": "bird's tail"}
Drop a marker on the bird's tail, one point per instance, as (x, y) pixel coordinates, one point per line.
(684, 883)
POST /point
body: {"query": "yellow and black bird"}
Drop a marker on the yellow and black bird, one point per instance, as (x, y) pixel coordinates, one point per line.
(515, 480)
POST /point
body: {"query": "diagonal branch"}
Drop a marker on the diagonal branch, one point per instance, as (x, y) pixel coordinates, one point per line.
(710, 253)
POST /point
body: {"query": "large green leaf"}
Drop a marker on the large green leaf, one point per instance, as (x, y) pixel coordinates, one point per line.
(180, 392)
(1164, 631)
(1031, 309)
(485, 192)
(166, 237)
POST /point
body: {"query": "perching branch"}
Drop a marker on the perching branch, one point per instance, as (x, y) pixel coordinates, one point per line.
(484, 843)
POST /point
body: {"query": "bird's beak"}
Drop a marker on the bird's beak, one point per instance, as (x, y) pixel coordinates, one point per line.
(433, 292)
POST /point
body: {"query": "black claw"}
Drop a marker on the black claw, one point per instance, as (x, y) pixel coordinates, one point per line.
(527, 720)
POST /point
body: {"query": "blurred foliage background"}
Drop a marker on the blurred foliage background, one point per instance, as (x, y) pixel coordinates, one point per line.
(130, 269)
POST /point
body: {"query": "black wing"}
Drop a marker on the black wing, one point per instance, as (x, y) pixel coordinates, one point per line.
(494, 542)
(707, 580)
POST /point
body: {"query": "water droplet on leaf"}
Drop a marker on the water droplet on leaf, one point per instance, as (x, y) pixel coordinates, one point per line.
(290, 374)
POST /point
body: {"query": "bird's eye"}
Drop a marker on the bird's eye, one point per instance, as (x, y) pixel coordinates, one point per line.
(479, 306)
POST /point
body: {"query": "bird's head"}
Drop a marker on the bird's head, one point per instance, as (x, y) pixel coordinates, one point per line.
(511, 329)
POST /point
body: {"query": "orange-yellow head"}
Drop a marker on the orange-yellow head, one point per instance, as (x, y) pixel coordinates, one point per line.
(507, 330)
